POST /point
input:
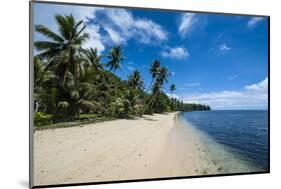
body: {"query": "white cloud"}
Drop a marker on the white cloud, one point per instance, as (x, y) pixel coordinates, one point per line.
(114, 36)
(176, 53)
(126, 27)
(120, 17)
(253, 21)
(250, 97)
(261, 86)
(148, 30)
(187, 23)
(106, 26)
(96, 39)
(223, 48)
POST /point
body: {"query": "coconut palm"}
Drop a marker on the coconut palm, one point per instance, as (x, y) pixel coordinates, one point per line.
(172, 88)
(154, 70)
(135, 80)
(116, 58)
(173, 100)
(93, 60)
(162, 75)
(44, 87)
(62, 49)
(132, 95)
(120, 107)
(79, 96)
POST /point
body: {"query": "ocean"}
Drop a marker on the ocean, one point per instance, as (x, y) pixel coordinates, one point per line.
(238, 139)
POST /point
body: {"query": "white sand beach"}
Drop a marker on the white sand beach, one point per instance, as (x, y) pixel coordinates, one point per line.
(149, 147)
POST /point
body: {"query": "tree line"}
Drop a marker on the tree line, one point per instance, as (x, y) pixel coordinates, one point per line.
(71, 81)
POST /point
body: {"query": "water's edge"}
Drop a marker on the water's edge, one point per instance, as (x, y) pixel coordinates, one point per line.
(219, 154)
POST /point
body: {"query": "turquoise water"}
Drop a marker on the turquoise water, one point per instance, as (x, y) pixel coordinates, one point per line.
(242, 133)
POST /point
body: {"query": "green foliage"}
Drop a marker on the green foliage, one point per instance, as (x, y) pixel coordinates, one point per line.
(135, 81)
(41, 118)
(194, 107)
(161, 103)
(116, 57)
(172, 88)
(127, 107)
(154, 69)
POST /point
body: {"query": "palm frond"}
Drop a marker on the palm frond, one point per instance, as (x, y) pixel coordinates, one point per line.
(48, 33)
(45, 45)
(75, 28)
(64, 26)
(49, 54)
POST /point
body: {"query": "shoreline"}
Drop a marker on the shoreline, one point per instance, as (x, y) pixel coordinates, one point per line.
(154, 146)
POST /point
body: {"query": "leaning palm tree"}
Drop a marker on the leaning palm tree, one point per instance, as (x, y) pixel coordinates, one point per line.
(172, 88)
(116, 58)
(154, 70)
(62, 49)
(135, 80)
(156, 89)
(163, 75)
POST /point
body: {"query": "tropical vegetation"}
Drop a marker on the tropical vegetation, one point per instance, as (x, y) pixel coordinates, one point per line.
(74, 83)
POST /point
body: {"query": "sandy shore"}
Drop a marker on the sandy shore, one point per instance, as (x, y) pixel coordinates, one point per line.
(150, 147)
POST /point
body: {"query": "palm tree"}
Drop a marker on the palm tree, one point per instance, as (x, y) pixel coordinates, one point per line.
(133, 97)
(44, 84)
(154, 70)
(62, 49)
(120, 107)
(79, 96)
(116, 57)
(163, 75)
(93, 60)
(135, 80)
(172, 88)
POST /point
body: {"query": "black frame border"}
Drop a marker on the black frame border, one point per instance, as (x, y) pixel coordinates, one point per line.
(31, 126)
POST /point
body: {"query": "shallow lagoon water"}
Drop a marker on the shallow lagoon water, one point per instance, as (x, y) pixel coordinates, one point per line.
(236, 140)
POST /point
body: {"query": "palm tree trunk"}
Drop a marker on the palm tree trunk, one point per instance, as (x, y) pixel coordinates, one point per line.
(36, 107)
(64, 76)
(152, 99)
(150, 85)
(148, 89)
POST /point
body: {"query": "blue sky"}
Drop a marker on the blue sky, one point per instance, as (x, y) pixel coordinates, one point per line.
(215, 59)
